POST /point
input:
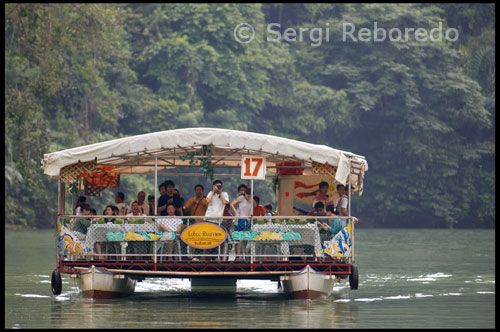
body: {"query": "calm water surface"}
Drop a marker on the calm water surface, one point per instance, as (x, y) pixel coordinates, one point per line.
(408, 279)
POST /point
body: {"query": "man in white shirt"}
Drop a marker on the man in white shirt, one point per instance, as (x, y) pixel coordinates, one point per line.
(135, 210)
(343, 201)
(217, 199)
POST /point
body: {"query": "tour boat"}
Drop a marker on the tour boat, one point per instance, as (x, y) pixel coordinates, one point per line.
(288, 248)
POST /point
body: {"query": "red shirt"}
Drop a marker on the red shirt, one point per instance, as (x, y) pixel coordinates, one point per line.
(259, 211)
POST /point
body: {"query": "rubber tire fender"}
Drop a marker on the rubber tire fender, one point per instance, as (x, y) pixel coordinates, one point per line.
(56, 282)
(354, 277)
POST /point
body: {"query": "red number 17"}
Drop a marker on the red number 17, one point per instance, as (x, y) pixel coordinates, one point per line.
(248, 161)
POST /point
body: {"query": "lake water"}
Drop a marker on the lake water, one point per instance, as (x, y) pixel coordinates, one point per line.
(407, 279)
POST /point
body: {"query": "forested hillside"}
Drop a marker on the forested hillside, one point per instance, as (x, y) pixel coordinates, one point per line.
(421, 112)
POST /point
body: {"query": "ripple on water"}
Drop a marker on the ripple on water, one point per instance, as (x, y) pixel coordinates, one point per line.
(429, 277)
(32, 295)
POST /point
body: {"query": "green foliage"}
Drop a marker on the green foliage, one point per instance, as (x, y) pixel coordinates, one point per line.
(204, 162)
(422, 113)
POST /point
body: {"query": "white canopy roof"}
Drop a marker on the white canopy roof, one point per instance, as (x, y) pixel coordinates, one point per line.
(136, 154)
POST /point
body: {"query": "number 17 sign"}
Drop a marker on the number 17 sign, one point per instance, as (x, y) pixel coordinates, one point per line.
(253, 167)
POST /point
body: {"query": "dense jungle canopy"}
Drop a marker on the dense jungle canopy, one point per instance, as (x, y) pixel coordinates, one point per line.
(421, 112)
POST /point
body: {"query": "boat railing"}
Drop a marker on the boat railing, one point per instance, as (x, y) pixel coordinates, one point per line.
(254, 239)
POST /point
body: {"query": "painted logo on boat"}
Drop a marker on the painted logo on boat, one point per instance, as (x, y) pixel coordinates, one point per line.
(203, 235)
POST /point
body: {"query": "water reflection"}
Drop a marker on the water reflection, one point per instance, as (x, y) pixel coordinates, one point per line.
(257, 304)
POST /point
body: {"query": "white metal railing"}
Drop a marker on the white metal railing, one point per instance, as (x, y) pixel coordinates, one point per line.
(115, 241)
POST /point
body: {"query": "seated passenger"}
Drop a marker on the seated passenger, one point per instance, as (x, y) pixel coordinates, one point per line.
(330, 229)
(319, 210)
(141, 200)
(81, 225)
(136, 210)
(170, 225)
(116, 210)
(93, 212)
(77, 211)
(99, 245)
(108, 211)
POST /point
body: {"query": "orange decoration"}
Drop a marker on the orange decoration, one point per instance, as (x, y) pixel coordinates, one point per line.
(105, 176)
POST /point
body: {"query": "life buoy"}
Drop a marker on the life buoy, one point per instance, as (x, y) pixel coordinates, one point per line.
(353, 277)
(56, 282)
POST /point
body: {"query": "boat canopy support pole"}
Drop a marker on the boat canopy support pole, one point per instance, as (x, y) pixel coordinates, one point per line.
(156, 186)
(156, 205)
(60, 197)
(251, 211)
(349, 211)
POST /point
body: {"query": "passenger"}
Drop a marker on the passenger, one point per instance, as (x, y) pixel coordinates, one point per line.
(77, 211)
(183, 202)
(120, 203)
(216, 199)
(242, 212)
(241, 207)
(170, 225)
(109, 246)
(151, 203)
(319, 210)
(341, 206)
(93, 212)
(135, 210)
(116, 210)
(137, 247)
(343, 203)
(100, 244)
(169, 197)
(322, 195)
(141, 200)
(269, 212)
(81, 225)
(108, 211)
(226, 224)
(258, 210)
(328, 229)
(162, 188)
(197, 206)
